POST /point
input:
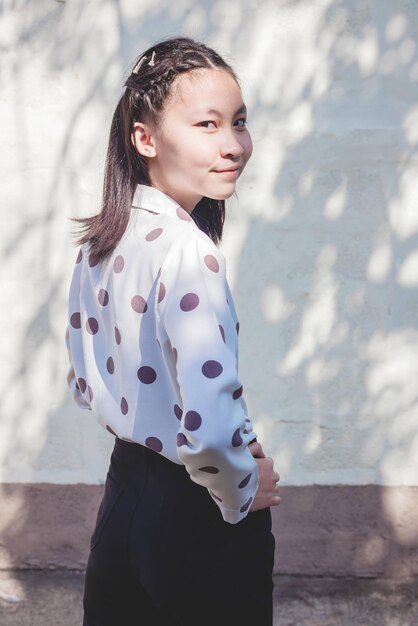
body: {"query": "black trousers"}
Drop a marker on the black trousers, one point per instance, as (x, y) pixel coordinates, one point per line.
(162, 555)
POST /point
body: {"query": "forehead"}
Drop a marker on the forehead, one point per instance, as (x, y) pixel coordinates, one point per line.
(205, 89)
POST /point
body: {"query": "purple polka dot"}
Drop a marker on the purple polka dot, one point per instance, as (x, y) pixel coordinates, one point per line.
(215, 496)
(236, 439)
(92, 325)
(178, 411)
(75, 320)
(110, 430)
(103, 297)
(192, 420)
(237, 393)
(153, 234)
(82, 385)
(237, 327)
(110, 365)
(212, 369)
(221, 330)
(124, 406)
(175, 355)
(79, 256)
(245, 481)
(189, 302)
(118, 337)
(247, 420)
(139, 304)
(209, 469)
(181, 440)
(118, 264)
(161, 292)
(183, 215)
(211, 262)
(146, 374)
(246, 505)
(93, 260)
(90, 392)
(154, 443)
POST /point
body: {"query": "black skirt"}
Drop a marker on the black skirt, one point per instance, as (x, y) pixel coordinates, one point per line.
(162, 555)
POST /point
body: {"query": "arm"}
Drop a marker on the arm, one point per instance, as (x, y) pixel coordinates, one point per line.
(213, 436)
(71, 377)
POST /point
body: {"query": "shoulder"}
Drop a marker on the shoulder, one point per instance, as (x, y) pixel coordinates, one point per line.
(194, 247)
(153, 236)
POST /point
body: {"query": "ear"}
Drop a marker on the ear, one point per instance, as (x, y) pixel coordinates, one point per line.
(144, 140)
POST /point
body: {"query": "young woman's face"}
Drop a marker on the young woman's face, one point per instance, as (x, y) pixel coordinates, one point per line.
(202, 143)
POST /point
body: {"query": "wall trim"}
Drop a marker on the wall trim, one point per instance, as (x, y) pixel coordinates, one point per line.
(336, 530)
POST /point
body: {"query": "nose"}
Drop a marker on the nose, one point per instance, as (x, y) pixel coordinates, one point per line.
(231, 147)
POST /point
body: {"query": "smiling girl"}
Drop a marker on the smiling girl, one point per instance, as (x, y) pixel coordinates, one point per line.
(183, 533)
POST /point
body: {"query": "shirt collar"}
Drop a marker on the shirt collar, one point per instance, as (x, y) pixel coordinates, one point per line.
(155, 201)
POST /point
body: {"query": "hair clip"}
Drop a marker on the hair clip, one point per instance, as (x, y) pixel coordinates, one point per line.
(140, 62)
(138, 65)
(152, 62)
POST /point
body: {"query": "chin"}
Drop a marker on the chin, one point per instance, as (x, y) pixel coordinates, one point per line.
(222, 196)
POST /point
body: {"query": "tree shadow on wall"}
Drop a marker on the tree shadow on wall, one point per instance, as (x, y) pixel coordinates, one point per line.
(330, 309)
(329, 306)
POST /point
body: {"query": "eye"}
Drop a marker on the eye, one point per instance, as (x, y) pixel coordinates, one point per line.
(241, 122)
(206, 124)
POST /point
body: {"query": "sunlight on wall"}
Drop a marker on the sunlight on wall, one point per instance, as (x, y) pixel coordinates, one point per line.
(336, 203)
(321, 242)
(399, 512)
(313, 440)
(381, 257)
(13, 517)
(402, 210)
(410, 126)
(392, 402)
(408, 272)
(319, 316)
(274, 305)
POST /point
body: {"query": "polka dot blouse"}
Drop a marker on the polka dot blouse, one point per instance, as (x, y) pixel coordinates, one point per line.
(153, 344)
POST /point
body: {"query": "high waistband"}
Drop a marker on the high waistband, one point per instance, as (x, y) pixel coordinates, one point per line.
(133, 452)
(131, 448)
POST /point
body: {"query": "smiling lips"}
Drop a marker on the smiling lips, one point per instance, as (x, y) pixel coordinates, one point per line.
(230, 170)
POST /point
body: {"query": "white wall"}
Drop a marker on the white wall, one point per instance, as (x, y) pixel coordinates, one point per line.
(322, 245)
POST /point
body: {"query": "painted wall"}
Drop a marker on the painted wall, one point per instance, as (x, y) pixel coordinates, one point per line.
(322, 243)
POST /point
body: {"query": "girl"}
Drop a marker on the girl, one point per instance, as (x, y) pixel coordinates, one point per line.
(183, 533)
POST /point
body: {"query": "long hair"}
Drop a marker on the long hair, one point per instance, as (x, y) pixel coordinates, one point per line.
(146, 92)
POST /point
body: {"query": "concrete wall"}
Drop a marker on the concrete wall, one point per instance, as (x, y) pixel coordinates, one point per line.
(322, 248)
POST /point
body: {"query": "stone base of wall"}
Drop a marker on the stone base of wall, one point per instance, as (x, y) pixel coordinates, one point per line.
(320, 530)
(347, 531)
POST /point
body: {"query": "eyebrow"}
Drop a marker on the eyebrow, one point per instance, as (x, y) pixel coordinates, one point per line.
(242, 109)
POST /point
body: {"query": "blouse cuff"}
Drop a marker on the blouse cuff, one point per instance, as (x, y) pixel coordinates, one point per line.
(233, 516)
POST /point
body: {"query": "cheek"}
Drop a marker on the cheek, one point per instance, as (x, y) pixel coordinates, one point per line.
(201, 151)
(248, 146)
(191, 149)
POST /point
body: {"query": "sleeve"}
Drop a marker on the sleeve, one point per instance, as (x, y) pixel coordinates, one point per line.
(71, 377)
(214, 432)
(76, 378)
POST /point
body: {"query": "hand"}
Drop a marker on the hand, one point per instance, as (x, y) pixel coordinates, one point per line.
(266, 495)
(256, 450)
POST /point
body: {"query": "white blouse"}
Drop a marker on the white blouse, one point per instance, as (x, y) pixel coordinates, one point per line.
(153, 346)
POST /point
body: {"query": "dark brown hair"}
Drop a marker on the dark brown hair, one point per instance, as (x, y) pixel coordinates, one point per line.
(147, 90)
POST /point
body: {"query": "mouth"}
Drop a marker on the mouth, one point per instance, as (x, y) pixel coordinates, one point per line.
(234, 168)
